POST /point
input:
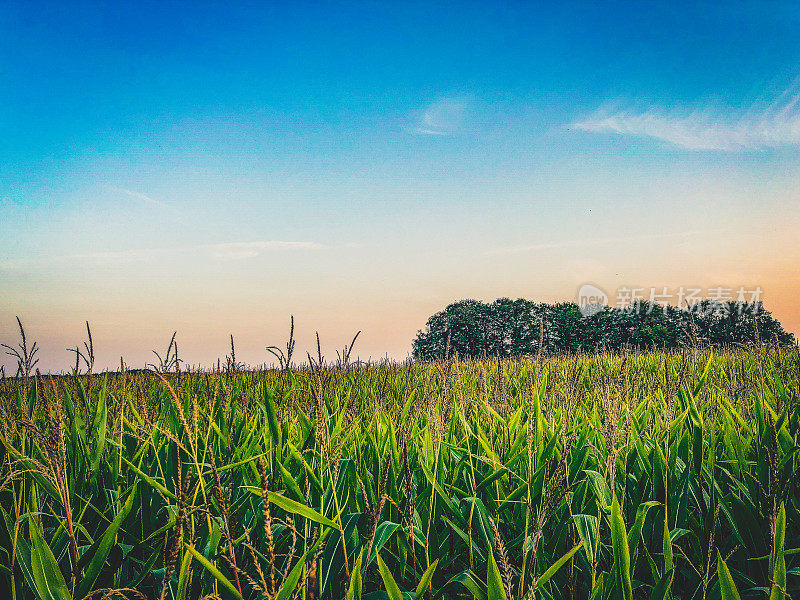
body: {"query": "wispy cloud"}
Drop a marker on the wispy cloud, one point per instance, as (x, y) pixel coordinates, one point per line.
(117, 255)
(757, 126)
(222, 251)
(447, 116)
(139, 196)
(241, 250)
(627, 240)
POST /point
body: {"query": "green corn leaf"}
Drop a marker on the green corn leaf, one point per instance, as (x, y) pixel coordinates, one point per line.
(272, 419)
(149, 480)
(600, 487)
(50, 583)
(622, 557)
(704, 377)
(635, 534)
(407, 407)
(494, 582)
(779, 387)
(354, 589)
(31, 467)
(666, 544)
(468, 580)
(599, 590)
(289, 481)
(309, 471)
(425, 580)
(547, 575)
(23, 548)
(183, 575)
(216, 573)
(726, 585)
(587, 527)
(296, 508)
(778, 590)
(661, 590)
(382, 534)
(388, 581)
(290, 583)
(101, 548)
(99, 424)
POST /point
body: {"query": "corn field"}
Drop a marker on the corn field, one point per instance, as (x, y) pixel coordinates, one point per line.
(653, 475)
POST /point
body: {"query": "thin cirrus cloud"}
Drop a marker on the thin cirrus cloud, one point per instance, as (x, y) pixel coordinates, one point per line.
(758, 126)
(139, 196)
(221, 251)
(242, 250)
(579, 243)
(447, 116)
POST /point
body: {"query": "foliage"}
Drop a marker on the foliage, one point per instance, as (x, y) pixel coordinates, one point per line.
(474, 329)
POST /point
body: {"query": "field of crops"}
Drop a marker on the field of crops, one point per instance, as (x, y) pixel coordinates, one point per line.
(645, 476)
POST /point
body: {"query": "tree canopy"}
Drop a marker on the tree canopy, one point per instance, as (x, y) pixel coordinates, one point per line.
(506, 327)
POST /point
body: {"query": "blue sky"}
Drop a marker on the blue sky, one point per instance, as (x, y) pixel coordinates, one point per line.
(216, 167)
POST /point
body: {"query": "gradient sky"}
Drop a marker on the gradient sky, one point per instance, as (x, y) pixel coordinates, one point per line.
(214, 168)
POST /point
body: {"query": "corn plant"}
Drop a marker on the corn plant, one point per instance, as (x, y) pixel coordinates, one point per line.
(653, 475)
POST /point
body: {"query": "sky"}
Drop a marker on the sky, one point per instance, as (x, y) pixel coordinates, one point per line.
(214, 168)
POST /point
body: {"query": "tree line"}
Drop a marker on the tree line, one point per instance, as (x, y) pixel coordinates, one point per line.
(505, 327)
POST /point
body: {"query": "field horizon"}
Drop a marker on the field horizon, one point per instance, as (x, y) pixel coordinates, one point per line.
(704, 324)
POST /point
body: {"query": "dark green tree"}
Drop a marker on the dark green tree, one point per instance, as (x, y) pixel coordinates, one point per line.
(506, 327)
